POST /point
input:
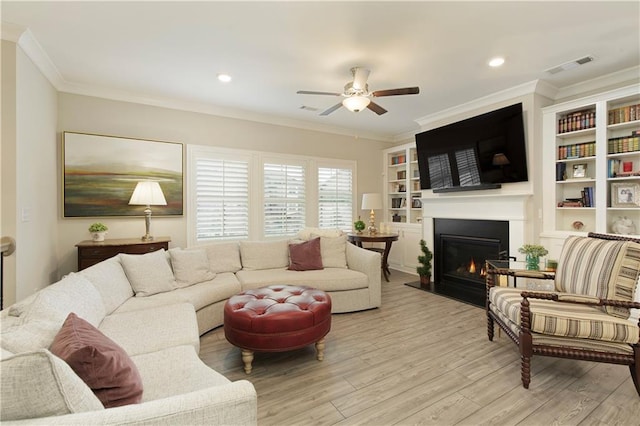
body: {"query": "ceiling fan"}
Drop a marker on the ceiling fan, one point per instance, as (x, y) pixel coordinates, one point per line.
(357, 96)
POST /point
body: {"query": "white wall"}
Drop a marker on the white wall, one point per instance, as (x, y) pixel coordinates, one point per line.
(101, 116)
(29, 175)
(8, 166)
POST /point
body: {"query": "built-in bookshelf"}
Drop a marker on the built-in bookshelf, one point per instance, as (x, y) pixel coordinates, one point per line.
(402, 180)
(591, 165)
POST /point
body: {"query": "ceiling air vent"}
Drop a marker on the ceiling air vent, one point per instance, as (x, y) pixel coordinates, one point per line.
(308, 108)
(569, 65)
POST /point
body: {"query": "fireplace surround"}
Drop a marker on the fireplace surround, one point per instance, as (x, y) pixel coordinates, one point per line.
(461, 247)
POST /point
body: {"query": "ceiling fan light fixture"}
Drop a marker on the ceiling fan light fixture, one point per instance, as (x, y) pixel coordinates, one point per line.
(356, 103)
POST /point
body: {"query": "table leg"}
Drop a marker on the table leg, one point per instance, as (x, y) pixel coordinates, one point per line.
(385, 264)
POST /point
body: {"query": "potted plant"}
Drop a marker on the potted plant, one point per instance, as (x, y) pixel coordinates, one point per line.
(424, 270)
(98, 231)
(533, 253)
(359, 225)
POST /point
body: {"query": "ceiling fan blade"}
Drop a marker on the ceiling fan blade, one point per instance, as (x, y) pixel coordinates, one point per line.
(394, 92)
(376, 108)
(310, 92)
(360, 76)
(330, 110)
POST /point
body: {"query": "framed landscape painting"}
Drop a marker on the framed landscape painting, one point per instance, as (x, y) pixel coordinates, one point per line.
(101, 172)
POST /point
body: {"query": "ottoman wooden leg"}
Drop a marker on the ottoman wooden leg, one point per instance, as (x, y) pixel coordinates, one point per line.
(247, 357)
(320, 349)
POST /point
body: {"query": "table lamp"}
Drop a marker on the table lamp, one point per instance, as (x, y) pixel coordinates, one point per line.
(147, 193)
(372, 202)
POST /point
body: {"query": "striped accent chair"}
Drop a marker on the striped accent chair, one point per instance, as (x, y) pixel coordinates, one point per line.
(592, 314)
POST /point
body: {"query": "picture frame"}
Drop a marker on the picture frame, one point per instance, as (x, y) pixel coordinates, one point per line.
(579, 171)
(625, 194)
(100, 172)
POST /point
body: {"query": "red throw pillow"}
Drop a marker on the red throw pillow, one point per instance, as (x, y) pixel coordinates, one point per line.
(305, 256)
(103, 365)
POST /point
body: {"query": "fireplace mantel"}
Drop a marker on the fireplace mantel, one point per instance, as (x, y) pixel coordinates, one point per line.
(514, 207)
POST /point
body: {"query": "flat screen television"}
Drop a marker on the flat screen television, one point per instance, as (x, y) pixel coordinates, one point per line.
(481, 152)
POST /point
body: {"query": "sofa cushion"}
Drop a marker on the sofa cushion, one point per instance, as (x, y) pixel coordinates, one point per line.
(305, 256)
(257, 255)
(565, 319)
(112, 283)
(164, 327)
(223, 257)
(39, 384)
(175, 371)
(73, 293)
(148, 273)
(103, 365)
(328, 279)
(190, 266)
(334, 251)
(600, 268)
(200, 295)
(307, 233)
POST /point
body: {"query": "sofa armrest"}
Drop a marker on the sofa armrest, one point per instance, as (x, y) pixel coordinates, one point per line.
(367, 262)
(235, 403)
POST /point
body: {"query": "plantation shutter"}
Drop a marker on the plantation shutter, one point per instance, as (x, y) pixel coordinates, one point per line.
(222, 199)
(284, 199)
(335, 198)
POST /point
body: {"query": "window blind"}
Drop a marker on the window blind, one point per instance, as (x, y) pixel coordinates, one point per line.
(335, 198)
(284, 199)
(222, 199)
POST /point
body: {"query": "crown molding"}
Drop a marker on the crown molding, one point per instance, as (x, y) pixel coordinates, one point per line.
(598, 83)
(503, 95)
(234, 113)
(36, 53)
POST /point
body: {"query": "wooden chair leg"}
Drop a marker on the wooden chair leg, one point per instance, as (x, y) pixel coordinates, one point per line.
(490, 327)
(525, 371)
(635, 368)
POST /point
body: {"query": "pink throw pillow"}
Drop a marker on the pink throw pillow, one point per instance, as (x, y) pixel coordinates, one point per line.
(305, 256)
(99, 361)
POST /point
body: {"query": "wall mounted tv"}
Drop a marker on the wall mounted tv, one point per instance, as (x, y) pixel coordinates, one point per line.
(481, 152)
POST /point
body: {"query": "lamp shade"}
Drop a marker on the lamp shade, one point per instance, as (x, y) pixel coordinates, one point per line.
(148, 193)
(356, 103)
(371, 201)
(500, 159)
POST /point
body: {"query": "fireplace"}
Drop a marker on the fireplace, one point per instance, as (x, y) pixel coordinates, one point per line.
(461, 248)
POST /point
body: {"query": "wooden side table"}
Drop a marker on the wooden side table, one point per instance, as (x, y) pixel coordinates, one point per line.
(387, 239)
(92, 252)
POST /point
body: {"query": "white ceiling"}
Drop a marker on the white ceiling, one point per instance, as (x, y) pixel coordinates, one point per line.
(170, 52)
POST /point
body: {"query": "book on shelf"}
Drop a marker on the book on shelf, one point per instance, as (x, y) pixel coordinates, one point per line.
(624, 114)
(578, 120)
(579, 150)
(624, 144)
(587, 197)
(561, 170)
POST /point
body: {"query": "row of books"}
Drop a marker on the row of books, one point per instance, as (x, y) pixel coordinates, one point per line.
(398, 159)
(624, 114)
(578, 150)
(586, 199)
(619, 168)
(624, 143)
(578, 120)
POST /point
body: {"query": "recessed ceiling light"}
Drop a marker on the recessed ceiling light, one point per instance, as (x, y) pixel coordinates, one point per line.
(225, 78)
(496, 62)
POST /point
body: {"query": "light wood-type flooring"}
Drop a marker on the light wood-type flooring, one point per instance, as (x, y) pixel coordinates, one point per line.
(424, 359)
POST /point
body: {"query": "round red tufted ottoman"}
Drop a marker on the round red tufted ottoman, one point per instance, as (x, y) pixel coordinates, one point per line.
(277, 318)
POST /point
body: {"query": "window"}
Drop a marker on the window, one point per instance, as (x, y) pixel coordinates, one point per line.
(221, 198)
(284, 199)
(235, 194)
(335, 198)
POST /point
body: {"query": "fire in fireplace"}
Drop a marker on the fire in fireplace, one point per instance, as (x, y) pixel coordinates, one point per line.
(460, 251)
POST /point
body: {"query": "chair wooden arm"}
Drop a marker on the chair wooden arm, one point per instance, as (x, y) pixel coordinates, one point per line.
(579, 298)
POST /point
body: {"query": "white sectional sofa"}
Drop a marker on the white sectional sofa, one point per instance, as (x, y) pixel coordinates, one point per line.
(155, 307)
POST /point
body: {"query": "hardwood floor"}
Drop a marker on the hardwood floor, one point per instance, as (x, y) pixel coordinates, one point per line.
(424, 359)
